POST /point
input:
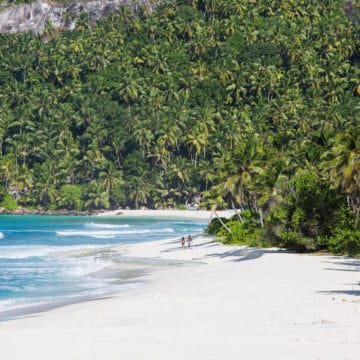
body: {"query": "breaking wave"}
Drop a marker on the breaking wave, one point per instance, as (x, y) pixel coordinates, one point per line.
(112, 233)
(105, 226)
(24, 251)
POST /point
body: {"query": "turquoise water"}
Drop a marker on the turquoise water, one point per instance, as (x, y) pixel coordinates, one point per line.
(37, 261)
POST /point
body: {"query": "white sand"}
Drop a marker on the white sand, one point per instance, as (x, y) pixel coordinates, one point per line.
(169, 213)
(242, 304)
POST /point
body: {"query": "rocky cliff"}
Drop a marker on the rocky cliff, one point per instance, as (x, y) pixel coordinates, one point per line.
(34, 17)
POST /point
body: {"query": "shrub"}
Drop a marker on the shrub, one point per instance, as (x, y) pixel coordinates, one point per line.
(245, 233)
(71, 197)
(294, 241)
(242, 234)
(9, 203)
(305, 213)
(215, 226)
(345, 241)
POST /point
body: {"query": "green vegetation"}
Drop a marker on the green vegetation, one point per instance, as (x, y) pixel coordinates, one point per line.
(251, 104)
(8, 202)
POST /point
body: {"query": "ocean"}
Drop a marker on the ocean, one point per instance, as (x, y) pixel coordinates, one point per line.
(54, 260)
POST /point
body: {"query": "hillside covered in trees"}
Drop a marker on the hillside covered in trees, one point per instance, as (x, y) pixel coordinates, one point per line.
(246, 104)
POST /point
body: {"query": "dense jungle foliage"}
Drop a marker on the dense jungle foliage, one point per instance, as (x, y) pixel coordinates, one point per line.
(251, 104)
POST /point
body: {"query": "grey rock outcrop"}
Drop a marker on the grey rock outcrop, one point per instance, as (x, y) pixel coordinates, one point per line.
(34, 17)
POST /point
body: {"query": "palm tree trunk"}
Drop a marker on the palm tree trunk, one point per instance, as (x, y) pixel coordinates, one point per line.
(237, 213)
(261, 218)
(222, 223)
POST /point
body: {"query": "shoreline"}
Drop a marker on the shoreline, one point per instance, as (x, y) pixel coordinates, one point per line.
(111, 274)
(26, 211)
(295, 306)
(167, 213)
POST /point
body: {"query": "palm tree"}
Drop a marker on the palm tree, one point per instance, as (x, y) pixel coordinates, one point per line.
(24, 178)
(169, 133)
(139, 191)
(129, 90)
(45, 186)
(110, 179)
(240, 168)
(8, 167)
(197, 141)
(97, 197)
(144, 137)
(6, 119)
(343, 166)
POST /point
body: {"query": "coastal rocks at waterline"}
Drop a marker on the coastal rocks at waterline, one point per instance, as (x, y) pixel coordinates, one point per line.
(35, 17)
(25, 211)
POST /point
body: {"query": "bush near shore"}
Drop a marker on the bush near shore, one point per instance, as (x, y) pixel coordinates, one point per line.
(304, 215)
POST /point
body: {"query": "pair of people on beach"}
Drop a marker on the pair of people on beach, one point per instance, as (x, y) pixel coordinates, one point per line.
(189, 241)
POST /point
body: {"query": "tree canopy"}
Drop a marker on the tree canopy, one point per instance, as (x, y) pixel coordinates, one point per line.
(251, 104)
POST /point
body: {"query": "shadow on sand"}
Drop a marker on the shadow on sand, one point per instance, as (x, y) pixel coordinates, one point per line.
(344, 264)
(177, 248)
(341, 292)
(248, 253)
(242, 254)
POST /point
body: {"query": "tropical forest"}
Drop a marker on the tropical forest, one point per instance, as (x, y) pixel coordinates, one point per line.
(251, 105)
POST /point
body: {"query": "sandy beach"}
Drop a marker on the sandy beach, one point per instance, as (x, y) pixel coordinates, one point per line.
(169, 213)
(213, 302)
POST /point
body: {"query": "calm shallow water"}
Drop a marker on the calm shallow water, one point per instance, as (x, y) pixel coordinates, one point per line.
(36, 265)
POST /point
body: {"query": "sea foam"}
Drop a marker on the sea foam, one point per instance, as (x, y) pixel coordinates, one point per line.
(45, 259)
(106, 226)
(112, 233)
(25, 251)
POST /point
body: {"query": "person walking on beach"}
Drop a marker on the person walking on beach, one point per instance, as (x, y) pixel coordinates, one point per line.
(182, 242)
(189, 240)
